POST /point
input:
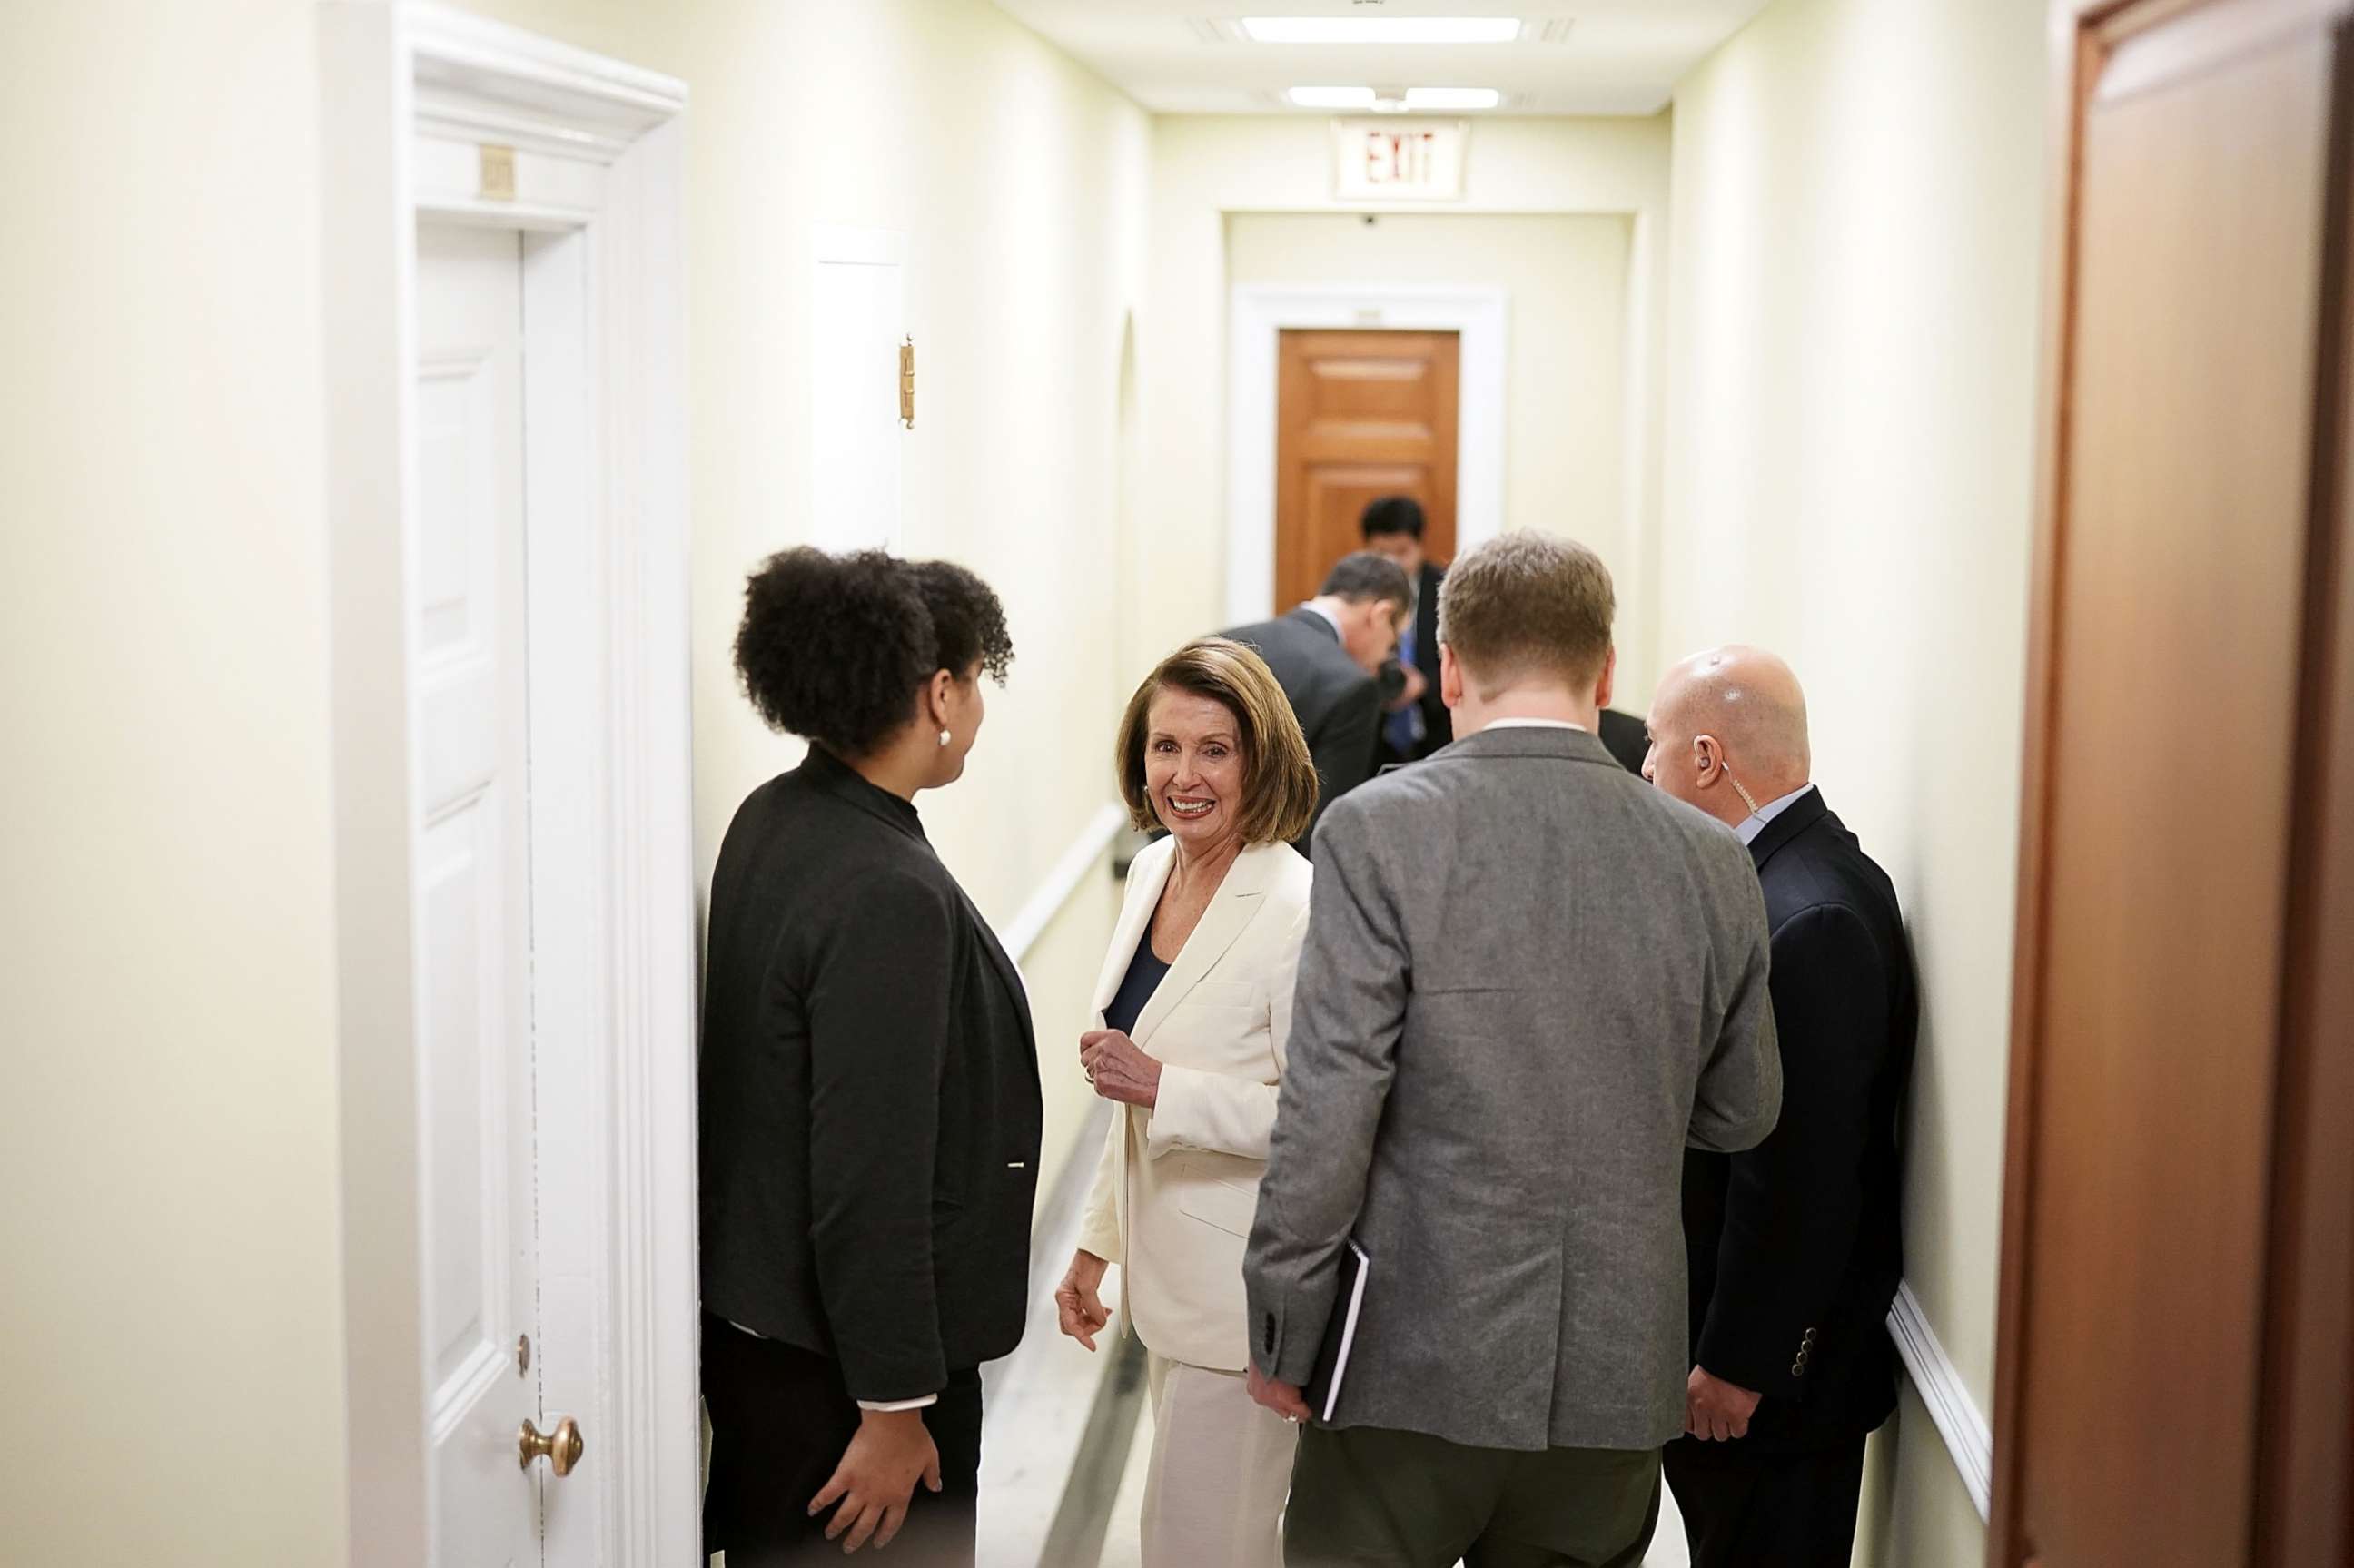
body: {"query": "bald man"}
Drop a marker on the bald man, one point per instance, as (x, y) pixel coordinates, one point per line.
(1794, 1247)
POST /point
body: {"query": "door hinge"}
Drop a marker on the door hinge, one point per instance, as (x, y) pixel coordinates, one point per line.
(907, 383)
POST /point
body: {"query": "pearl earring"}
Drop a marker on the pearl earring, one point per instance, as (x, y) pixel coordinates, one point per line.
(944, 738)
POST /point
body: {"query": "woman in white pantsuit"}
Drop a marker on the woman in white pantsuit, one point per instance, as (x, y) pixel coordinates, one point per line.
(1195, 1008)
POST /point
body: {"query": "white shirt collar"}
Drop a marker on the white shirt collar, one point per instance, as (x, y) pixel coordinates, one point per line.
(1531, 724)
(1759, 820)
(1329, 619)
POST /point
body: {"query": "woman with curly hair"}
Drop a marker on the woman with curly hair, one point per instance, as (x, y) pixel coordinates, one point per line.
(870, 1106)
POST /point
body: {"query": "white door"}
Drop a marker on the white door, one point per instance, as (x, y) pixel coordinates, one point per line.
(473, 866)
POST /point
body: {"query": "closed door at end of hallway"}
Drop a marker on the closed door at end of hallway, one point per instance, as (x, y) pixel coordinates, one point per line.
(1359, 415)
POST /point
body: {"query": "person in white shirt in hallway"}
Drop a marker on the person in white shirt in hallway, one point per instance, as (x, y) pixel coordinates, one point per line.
(1794, 1247)
(1194, 1015)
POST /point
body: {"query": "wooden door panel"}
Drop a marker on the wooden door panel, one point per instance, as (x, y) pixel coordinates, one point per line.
(1338, 495)
(2162, 796)
(1361, 415)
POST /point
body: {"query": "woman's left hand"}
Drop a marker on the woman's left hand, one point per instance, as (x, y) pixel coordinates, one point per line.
(1119, 1070)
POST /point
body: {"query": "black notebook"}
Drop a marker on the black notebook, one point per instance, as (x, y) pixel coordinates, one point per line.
(1323, 1389)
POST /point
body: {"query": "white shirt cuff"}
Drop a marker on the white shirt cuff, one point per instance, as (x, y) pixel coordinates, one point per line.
(893, 1406)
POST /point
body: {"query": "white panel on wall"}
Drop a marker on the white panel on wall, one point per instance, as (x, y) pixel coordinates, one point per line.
(859, 304)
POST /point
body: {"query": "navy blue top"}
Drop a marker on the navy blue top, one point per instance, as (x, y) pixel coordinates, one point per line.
(1135, 988)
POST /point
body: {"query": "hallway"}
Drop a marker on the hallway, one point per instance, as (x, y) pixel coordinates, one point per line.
(1062, 1480)
(412, 402)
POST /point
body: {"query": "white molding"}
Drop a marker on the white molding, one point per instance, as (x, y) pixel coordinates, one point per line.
(1055, 890)
(1946, 1397)
(408, 90)
(1258, 314)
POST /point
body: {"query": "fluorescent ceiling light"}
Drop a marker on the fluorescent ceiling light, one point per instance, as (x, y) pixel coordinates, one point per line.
(1331, 97)
(1382, 29)
(1452, 97)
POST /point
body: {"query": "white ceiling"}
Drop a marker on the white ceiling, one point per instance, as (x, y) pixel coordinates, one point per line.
(1184, 57)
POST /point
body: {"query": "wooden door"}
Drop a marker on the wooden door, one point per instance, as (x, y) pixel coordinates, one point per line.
(473, 864)
(2172, 1379)
(1359, 415)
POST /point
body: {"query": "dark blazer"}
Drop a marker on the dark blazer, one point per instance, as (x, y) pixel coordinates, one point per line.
(1796, 1246)
(870, 1104)
(1339, 705)
(1438, 723)
(1627, 737)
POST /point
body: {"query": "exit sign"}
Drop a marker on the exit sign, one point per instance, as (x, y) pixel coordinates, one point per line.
(1398, 160)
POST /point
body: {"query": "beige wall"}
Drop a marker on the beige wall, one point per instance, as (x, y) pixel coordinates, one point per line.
(1205, 168)
(173, 1352)
(1858, 206)
(1020, 182)
(1565, 436)
(173, 1359)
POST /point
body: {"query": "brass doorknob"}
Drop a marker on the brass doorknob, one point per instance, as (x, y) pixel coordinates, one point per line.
(561, 1448)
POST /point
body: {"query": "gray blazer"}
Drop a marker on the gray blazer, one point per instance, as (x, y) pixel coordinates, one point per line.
(1530, 982)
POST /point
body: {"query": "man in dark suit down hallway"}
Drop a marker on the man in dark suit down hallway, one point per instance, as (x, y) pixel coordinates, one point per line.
(1794, 1247)
(1328, 656)
(1417, 722)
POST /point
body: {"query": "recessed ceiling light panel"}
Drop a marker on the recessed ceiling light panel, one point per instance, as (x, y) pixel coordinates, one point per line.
(1331, 97)
(1382, 29)
(1436, 98)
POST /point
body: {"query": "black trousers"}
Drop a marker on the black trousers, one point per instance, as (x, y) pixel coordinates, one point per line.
(1761, 1510)
(1368, 1497)
(781, 1417)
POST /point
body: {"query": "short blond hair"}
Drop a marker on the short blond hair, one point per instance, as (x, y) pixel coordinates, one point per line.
(1279, 779)
(1527, 604)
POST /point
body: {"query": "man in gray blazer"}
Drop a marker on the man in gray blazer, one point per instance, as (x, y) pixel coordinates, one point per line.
(1491, 1089)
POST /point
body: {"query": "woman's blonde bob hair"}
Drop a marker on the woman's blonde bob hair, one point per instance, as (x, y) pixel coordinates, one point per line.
(1278, 781)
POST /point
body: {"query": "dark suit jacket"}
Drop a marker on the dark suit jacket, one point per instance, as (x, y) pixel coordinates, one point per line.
(1628, 738)
(1339, 705)
(869, 1101)
(1795, 1247)
(1438, 724)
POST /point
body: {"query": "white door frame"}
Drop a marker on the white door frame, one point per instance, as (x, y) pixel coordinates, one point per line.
(409, 91)
(1257, 317)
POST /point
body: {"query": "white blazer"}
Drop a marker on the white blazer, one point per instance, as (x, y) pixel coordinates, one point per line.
(1178, 1185)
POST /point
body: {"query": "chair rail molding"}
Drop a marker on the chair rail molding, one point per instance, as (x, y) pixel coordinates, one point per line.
(418, 103)
(1258, 315)
(1055, 890)
(1947, 1398)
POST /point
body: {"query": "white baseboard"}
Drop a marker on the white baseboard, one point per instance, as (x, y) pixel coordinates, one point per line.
(1959, 1420)
(1039, 910)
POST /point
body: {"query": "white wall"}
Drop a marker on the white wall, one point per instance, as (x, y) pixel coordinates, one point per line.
(173, 1360)
(172, 1357)
(1565, 332)
(1858, 220)
(1205, 168)
(1020, 182)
